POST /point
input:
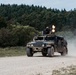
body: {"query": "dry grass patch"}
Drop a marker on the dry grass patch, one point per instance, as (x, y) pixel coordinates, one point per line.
(12, 51)
(70, 70)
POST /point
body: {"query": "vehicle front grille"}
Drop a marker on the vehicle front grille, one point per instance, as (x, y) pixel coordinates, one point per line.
(38, 44)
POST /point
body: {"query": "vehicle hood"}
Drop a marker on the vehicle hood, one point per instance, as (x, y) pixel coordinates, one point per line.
(41, 42)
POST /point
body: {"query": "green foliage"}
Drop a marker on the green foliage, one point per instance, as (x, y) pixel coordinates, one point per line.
(5, 37)
(23, 34)
(16, 35)
(3, 24)
(15, 18)
(38, 17)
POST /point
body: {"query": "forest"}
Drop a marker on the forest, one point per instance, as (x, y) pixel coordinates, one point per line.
(20, 23)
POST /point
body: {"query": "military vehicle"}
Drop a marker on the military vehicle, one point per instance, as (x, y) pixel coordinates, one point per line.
(47, 45)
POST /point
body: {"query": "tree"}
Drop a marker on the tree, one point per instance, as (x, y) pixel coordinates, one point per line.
(3, 24)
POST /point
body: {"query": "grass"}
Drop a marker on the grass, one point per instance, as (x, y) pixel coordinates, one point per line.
(70, 70)
(12, 51)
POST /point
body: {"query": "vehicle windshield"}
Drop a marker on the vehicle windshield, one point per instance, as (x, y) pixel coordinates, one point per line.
(39, 38)
(49, 38)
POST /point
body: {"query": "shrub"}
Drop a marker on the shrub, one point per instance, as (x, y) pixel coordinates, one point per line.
(70, 70)
(16, 35)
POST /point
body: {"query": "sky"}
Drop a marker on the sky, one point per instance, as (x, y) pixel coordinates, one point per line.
(59, 4)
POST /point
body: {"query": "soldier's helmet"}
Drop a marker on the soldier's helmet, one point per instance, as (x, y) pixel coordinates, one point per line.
(47, 27)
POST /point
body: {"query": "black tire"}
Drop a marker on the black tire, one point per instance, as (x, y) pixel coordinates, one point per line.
(29, 52)
(44, 53)
(65, 51)
(51, 52)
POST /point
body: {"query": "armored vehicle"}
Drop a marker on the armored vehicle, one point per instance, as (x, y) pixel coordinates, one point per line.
(47, 45)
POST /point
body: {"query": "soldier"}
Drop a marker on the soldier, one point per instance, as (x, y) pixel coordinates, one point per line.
(46, 31)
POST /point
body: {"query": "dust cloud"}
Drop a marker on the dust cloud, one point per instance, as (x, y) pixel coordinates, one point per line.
(72, 47)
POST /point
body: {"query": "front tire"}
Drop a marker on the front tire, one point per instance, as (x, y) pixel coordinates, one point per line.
(51, 52)
(29, 52)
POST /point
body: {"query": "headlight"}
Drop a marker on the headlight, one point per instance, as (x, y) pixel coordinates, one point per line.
(43, 45)
(31, 45)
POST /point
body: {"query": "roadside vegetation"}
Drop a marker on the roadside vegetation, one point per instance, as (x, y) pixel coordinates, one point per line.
(16, 35)
(12, 51)
(70, 70)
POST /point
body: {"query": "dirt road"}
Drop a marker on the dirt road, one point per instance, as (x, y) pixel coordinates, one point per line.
(23, 65)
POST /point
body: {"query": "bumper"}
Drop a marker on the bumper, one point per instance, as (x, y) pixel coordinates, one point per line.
(36, 49)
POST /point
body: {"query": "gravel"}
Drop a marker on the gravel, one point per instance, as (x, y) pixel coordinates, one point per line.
(37, 65)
